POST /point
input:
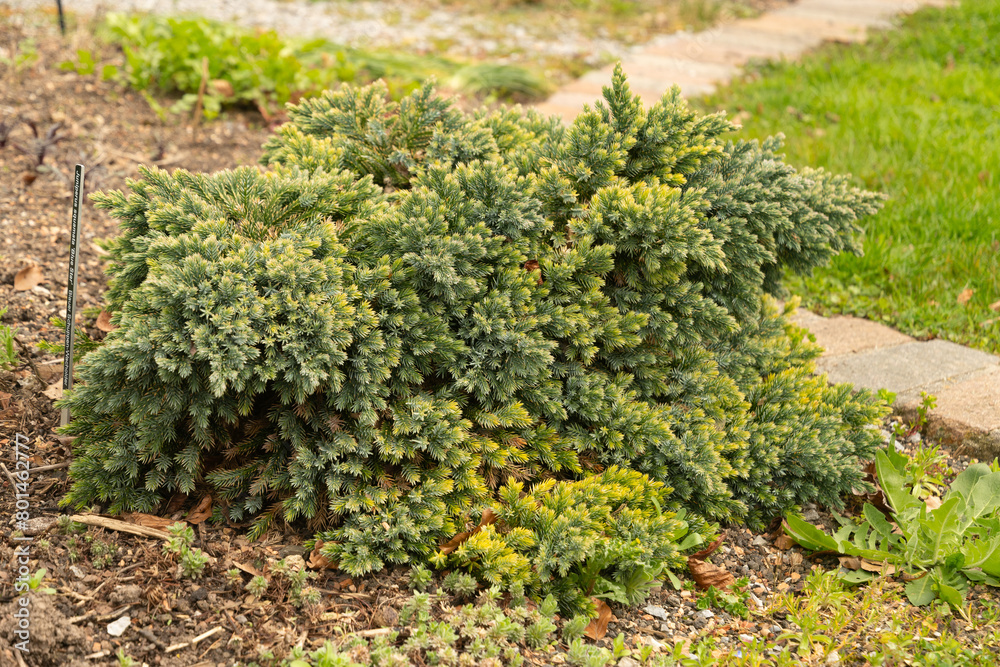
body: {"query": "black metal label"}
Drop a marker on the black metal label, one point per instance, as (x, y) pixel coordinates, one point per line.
(74, 253)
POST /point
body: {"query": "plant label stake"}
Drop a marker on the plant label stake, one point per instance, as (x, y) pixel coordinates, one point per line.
(62, 19)
(74, 253)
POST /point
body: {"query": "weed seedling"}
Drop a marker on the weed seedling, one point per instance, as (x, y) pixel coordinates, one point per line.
(8, 355)
(257, 586)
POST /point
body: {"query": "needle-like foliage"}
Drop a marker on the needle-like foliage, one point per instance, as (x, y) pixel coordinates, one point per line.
(415, 308)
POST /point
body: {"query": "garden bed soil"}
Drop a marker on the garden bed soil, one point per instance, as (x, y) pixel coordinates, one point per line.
(103, 574)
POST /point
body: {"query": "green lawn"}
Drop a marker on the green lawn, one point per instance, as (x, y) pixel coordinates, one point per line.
(914, 113)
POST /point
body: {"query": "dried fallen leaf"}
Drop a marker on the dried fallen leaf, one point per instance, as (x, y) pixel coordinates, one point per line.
(707, 551)
(964, 296)
(932, 502)
(5, 400)
(175, 503)
(706, 574)
(104, 322)
(877, 499)
(783, 542)
(148, 520)
(489, 516)
(201, 511)
(27, 278)
(850, 562)
(598, 627)
(454, 542)
(873, 566)
(249, 569)
(317, 561)
(994, 306)
(54, 391)
(222, 88)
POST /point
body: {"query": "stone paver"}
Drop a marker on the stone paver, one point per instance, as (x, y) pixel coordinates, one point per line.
(698, 62)
(966, 382)
(867, 354)
(849, 335)
(907, 368)
(967, 413)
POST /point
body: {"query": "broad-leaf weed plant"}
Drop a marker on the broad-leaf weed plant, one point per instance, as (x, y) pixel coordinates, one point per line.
(939, 552)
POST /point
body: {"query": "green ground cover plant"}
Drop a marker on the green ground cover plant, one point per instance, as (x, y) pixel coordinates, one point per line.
(211, 64)
(828, 623)
(544, 355)
(912, 113)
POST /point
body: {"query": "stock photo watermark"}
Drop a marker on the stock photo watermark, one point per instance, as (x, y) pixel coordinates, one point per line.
(24, 582)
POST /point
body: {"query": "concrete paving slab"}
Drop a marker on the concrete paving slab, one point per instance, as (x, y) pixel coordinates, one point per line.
(573, 100)
(771, 44)
(849, 335)
(644, 65)
(813, 30)
(689, 47)
(967, 413)
(861, 16)
(654, 82)
(907, 367)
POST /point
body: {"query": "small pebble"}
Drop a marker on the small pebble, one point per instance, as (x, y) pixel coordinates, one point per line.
(707, 613)
(759, 541)
(656, 612)
(746, 638)
(628, 662)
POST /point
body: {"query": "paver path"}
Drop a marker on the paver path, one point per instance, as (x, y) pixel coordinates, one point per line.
(966, 382)
(697, 62)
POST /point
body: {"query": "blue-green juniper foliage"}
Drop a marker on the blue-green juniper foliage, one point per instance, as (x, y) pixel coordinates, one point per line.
(415, 314)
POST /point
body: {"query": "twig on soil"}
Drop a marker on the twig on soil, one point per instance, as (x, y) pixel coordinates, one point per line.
(655, 633)
(103, 617)
(120, 526)
(148, 634)
(27, 358)
(138, 159)
(201, 637)
(213, 645)
(98, 655)
(54, 466)
(196, 115)
(372, 632)
(74, 594)
(10, 478)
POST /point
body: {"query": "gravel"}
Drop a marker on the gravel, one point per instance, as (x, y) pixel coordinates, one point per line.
(374, 24)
